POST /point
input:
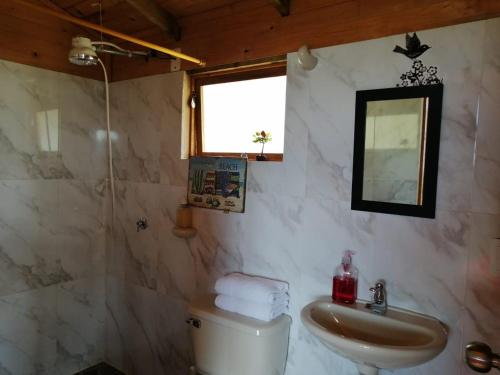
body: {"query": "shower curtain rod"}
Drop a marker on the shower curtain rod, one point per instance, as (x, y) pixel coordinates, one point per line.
(111, 32)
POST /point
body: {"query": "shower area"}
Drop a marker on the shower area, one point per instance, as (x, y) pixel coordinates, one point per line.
(79, 166)
(53, 221)
(60, 257)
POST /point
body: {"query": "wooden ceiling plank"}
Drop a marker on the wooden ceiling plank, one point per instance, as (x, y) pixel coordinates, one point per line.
(282, 6)
(29, 38)
(184, 8)
(124, 18)
(53, 5)
(157, 15)
(251, 30)
(65, 4)
(46, 11)
(89, 8)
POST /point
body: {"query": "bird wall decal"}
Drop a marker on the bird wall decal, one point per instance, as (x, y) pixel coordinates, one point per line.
(419, 74)
(413, 47)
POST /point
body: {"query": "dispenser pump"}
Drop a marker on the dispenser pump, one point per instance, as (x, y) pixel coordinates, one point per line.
(347, 260)
(345, 280)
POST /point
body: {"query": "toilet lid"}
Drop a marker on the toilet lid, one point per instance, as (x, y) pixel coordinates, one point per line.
(204, 308)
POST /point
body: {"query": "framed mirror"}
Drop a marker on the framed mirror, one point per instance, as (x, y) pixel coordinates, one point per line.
(396, 150)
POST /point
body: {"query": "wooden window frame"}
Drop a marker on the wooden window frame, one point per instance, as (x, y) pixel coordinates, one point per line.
(233, 74)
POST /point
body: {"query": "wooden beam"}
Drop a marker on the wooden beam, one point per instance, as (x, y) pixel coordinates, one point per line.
(283, 7)
(157, 15)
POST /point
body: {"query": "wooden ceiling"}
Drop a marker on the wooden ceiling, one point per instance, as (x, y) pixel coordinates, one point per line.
(179, 8)
(219, 31)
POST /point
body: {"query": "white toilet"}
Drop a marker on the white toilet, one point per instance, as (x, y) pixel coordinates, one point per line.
(226, 343)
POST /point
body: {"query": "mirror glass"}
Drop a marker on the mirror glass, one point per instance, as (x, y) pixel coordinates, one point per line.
(395, 130)
(396, 150)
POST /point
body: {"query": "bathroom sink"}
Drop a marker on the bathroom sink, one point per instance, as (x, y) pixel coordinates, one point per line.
(398, 339)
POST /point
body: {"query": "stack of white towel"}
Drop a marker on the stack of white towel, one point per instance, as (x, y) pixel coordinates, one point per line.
(256, 297)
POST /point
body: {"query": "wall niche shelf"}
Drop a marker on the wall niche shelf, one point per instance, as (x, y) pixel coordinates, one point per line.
(184, 232)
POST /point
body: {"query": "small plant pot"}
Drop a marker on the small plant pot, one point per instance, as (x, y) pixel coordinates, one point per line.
(261, 158)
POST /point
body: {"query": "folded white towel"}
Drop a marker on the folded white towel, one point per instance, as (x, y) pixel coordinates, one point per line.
(279, 299)
(252, 288)
(255, 310)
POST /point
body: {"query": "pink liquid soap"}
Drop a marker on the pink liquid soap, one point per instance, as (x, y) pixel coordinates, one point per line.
(345, 289)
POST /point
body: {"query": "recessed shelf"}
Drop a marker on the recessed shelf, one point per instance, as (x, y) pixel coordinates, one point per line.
(184, 232)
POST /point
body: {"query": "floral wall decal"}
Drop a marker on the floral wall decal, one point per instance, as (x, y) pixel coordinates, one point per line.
(419, 74)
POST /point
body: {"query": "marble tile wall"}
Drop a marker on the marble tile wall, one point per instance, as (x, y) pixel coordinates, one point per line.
(52, 222)
(145, 330)
(298, 219)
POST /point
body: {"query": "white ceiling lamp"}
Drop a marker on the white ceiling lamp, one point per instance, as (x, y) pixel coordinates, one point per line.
(306, 60)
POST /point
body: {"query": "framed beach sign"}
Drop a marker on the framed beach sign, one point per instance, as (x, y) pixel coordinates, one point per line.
(218, 183)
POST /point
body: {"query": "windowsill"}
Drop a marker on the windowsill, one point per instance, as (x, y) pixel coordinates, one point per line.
(251, 157)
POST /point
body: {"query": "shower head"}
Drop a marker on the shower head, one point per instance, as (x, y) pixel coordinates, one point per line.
(83, 52)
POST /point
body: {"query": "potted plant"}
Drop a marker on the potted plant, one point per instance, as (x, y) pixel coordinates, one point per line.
(263, 138)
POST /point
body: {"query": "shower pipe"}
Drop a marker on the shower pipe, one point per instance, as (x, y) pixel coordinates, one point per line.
(111, 32)
(117, 50)
(110, 51)
(110, 149)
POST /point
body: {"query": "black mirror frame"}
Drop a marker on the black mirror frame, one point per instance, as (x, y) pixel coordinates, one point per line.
(431, 160)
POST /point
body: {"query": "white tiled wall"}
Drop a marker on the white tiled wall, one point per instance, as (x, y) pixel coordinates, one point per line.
(298, 219)
(52, 224)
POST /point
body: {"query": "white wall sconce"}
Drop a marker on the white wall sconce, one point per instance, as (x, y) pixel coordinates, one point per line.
(306, 60)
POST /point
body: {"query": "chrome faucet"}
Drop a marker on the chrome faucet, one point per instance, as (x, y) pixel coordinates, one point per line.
(480, 358)
(379, 299)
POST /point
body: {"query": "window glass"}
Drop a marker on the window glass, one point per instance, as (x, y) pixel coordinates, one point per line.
(233, 111)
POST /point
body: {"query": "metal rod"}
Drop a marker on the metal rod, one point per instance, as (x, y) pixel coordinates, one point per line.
(122, 53)
(111, 32)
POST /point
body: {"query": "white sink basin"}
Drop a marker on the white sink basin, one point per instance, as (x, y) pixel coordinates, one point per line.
(397, 339)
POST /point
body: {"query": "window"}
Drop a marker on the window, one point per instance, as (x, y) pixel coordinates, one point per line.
(232, 105)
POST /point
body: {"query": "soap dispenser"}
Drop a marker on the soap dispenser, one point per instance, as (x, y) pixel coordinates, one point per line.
(345, 280)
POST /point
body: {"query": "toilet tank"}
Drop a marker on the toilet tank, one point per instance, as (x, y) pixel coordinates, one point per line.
(226, 343)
